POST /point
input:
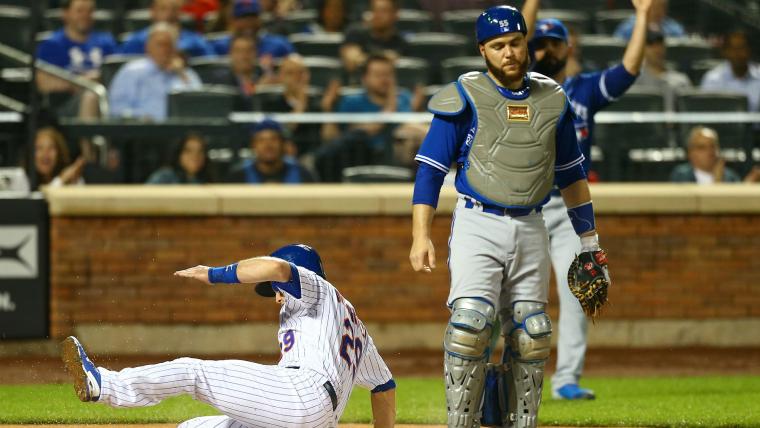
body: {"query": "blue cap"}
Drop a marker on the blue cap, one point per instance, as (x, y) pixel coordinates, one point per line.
(553, 28)
(499, 20)
(266, 124)
(245, 7)
(300, 255)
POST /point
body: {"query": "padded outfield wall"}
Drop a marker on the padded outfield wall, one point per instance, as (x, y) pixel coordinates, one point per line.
(684, 262)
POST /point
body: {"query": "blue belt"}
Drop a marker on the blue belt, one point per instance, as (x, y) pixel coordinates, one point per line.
(501, 211)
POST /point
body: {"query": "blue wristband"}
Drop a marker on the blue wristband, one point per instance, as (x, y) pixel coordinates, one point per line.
(224, 275)
(582, 218)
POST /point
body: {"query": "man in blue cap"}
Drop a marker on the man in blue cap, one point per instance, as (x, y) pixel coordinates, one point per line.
(270, 162)
(245, 20)
(588, 93)
(511, 135)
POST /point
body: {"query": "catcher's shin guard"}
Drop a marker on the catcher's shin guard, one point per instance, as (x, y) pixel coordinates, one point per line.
(528, 338)
(467, 341)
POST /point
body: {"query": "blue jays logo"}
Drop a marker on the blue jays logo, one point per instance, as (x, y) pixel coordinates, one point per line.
(545, 26)
(18, 252)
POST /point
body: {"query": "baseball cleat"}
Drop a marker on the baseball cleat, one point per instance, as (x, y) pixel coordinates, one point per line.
(573, 392)
(84, 373)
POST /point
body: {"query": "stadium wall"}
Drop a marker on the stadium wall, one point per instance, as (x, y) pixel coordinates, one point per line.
(683, 260)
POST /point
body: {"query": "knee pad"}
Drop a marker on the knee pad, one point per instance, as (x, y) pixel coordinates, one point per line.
(529, 333)
(468, 334)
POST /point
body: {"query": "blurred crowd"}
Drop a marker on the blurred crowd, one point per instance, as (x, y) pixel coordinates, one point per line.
(368, 56)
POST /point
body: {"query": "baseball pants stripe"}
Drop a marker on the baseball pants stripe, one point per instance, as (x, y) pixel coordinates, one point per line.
(250, 394)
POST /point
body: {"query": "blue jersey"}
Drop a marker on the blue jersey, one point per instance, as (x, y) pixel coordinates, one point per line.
(448, 142)
(590, 92)
(76, 57)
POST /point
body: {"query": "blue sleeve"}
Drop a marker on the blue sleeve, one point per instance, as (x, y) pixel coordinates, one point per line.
(427, 185)
(607, 86)
(616, 80)
(568, 164)
(437, 153)
(48, 51)
(440, 145)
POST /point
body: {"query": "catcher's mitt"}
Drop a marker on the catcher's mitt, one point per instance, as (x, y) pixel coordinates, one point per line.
(588, 279)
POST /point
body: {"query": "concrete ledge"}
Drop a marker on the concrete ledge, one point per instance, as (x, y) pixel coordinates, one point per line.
(143, 339)
(370, 199)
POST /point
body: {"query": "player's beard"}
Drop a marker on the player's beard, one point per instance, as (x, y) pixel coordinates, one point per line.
(549, 65)
(506, 79)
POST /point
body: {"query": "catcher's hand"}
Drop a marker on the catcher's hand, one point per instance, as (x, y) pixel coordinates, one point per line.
(589, 279)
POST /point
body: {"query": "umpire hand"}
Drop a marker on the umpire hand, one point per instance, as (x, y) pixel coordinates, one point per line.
(199, 272)
(422, 255)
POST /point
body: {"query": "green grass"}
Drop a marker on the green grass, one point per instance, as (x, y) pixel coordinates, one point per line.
(653, 402)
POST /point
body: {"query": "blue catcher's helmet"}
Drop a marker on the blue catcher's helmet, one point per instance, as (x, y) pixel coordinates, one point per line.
(499, 20)
(300, 255)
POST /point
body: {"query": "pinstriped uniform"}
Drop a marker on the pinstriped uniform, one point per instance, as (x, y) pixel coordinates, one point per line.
(321, 339)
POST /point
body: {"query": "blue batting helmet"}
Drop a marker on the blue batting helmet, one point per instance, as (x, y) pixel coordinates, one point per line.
(499, 20)
(298, 254)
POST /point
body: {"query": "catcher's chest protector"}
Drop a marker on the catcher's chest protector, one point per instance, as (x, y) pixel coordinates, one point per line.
(511, 160)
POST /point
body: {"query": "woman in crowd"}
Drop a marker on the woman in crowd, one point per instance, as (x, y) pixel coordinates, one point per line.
(189, 164)
(52, 161)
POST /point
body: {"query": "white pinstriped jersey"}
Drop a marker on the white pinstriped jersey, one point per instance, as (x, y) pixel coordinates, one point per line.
(320, 331)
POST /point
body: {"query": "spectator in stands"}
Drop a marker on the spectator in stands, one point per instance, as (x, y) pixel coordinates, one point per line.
(242, 73)
(656, 75)
(294, 77)
(657, 20)
(270, 164)
(189, 164)
(141, 87)
(379, 35)
(277, 11)
(332, 17)
(380, 94)
(198, 9)
(737, 73)
(79, 50)
(245, 20)
(705, 164)
(52, 162)
(190, 43)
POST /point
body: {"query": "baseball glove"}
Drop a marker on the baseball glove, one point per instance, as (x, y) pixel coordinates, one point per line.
(589, 279)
